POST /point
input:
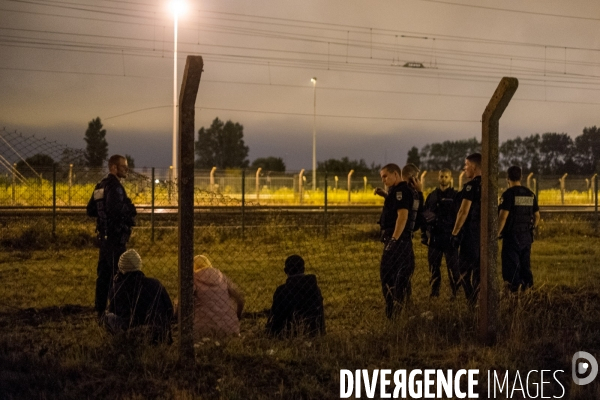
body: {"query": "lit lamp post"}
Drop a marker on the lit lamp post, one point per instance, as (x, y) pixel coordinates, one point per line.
(177, 7)
(314, 158)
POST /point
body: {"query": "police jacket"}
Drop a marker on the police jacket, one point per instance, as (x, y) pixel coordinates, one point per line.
(441, 207)
(114, 211)
(401, 196)
(521, 204)
(472, 191)
(297, 307)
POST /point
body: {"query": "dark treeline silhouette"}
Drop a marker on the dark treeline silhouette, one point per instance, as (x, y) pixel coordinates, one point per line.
(549, 153)
(344, 165)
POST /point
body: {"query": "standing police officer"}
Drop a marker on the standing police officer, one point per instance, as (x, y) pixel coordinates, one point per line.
(398, 220)
(469, 218)
(440, 214)
(519, 215)
(115, 217)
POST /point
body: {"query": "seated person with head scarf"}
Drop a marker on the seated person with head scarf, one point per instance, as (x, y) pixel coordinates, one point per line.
(138, 301)
(218, 303)
(297, 304)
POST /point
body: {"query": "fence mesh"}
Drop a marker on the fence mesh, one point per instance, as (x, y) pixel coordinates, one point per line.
(42, 270)
(246, 223)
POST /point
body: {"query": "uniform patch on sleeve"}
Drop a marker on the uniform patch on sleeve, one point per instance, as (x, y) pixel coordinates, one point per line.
(398, 196)
(98, 194)
(468, 188)
(526, 201)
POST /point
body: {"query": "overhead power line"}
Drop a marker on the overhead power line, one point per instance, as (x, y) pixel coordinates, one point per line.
(513, 11)
(303, 115)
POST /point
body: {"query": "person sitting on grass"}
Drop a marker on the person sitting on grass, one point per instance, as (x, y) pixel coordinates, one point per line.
(297, 304)
(138, 301)
(218, 303)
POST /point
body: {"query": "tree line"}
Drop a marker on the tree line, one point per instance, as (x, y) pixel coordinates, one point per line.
(547, 154)
(222, 145)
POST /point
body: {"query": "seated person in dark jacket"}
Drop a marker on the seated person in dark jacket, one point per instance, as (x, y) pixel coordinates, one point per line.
(297, 304)
(136, 300)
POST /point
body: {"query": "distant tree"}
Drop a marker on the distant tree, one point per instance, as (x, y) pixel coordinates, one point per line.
(344, 165)
(587, 150)
(222, 146)
(72, 156)
(556, 153)
(448, 154)
(130, 162)
(35, 165)
(414, 157)
(524, 153)
(96, 149)
(275, 164)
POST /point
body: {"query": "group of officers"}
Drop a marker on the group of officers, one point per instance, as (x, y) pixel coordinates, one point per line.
(449, 222)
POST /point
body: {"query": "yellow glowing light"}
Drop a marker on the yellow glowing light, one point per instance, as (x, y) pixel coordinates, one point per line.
(313, 80)
(177, 7)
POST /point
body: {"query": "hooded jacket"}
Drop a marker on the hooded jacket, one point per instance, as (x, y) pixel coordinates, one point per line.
(215, 305)
(297, 307)
(138, 300)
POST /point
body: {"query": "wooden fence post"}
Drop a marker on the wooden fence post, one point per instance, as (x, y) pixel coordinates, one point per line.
(488, 296)
(187, 101)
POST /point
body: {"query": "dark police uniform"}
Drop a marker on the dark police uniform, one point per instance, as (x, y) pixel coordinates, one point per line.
(469, 254)
(517, 236)
(441, 208)
(398, 259)
(115, 217)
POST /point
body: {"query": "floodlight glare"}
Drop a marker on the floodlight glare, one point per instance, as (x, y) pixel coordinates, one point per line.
(313, 80)
(177, 7)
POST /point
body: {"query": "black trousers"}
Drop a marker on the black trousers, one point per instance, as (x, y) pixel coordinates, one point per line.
(469, 267)
(516, 264)
(396, 269)
(434, 257)
(108, 265)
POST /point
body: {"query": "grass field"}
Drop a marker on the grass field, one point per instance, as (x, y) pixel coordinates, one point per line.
(51, 347)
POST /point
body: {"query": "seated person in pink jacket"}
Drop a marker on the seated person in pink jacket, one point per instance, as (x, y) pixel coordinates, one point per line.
(297, 304)
(218, 303)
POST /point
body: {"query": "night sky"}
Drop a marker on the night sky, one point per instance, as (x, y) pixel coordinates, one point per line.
(65, 62)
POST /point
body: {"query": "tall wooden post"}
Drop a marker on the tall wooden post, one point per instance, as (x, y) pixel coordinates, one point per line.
(187, 101)
(488, 296)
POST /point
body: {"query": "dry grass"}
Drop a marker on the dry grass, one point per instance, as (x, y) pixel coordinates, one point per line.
(50, 348)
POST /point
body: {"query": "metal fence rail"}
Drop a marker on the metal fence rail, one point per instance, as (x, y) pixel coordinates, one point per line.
(148, 186)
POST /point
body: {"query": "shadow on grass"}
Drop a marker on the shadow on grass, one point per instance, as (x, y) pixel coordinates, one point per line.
(60, 352)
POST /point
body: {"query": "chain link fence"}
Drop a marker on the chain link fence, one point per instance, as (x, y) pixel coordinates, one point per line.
(246, 222)
(69, 186)
(47, 263)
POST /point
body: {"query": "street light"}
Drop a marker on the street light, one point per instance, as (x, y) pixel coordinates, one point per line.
(314, 158)
(177, 8)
